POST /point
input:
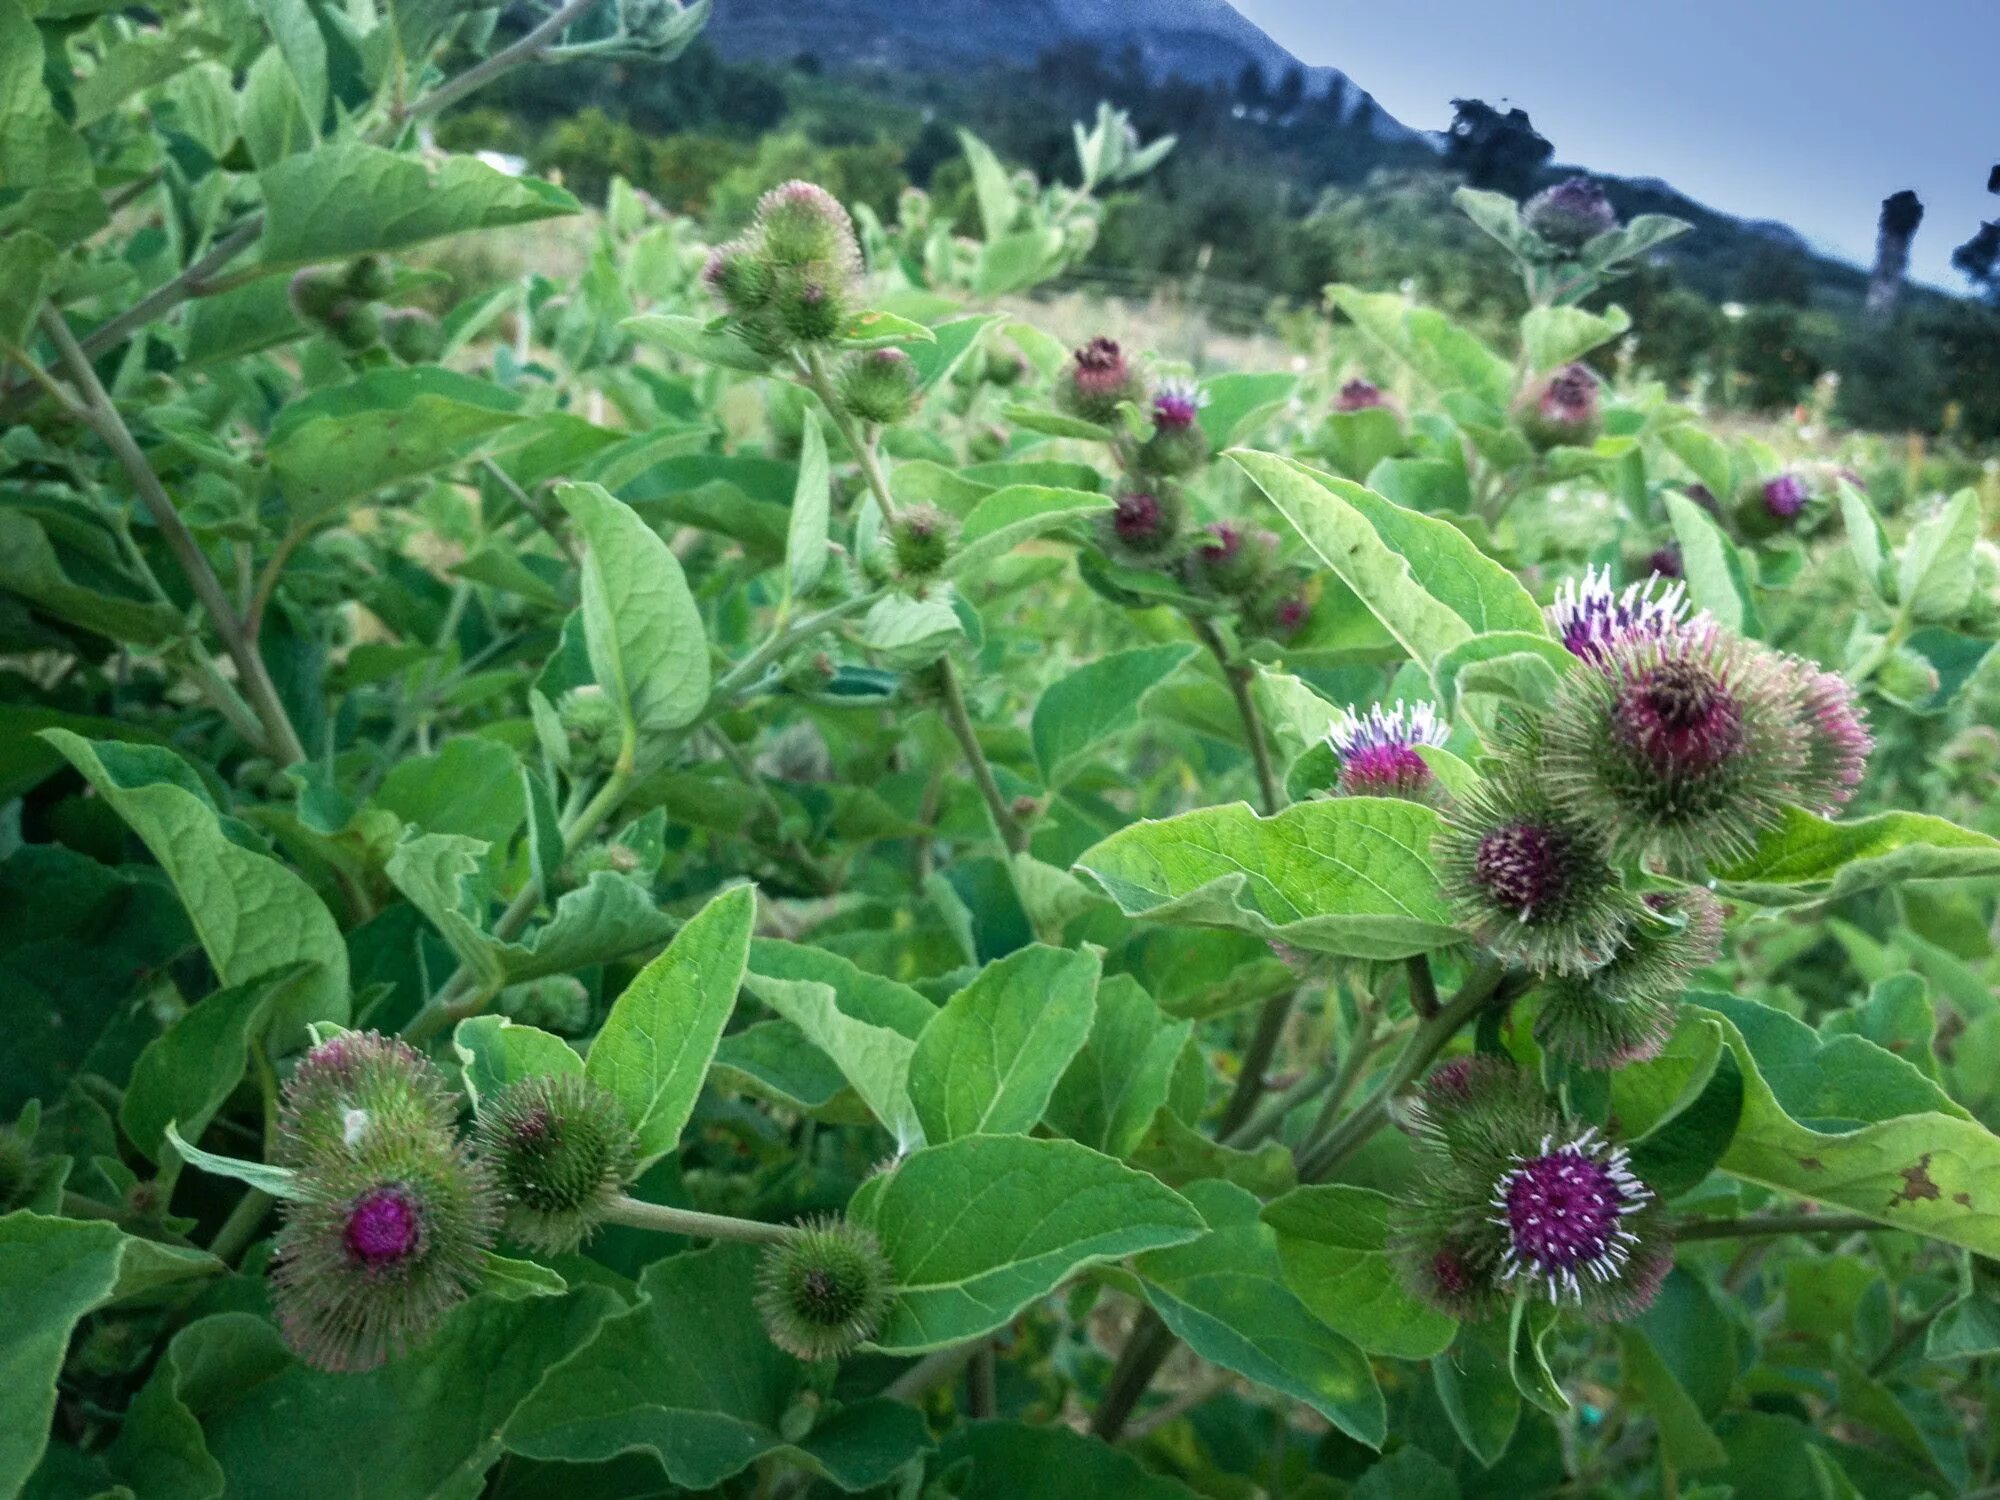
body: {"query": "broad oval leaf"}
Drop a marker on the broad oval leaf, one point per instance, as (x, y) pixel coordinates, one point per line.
(1096, 701)
(1808, 859)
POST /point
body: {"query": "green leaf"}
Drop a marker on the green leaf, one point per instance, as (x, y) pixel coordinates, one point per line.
(52, 1273)
(1426, 580)
(1527, 1327)
(648, 649)
(1178, 1154)
(44, 162)
(32, 568)
(1055, 423)
(992, 187)
(1686, 1441)
(1113, 1087)
(1930, 1172)
(1351, 875)
(1097, 700)
(1330, 1243)
(189, 1071)
(339, 445)
(1717, 580)
(694, 338)
(279, 1182)
(389, 1434)
(1438, 350)
(806, 537)
(989, 1061)
(874, 1058)
(1477, 1391)
(955, 339)
(911, 633)
(660, 1037)
(1008, 517)
(253, 915)
(980, 1227)
(347, 199)
(1513, 664)
(1497, 214)
(1224, 1295)
(28, 263)
(471, 786)
(1552, 336)
(1240, 402)
(516, 1280)
(493, 1052)
(1807, 859)
(1013, 1460)
(1935, 574)
(881, 330)
(688, 1375)
(296, 31)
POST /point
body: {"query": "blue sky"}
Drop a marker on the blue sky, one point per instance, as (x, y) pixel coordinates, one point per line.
(1807, 111)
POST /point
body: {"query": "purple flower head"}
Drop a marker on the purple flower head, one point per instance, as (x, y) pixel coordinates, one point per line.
(1100, 368)
(1360, 395)
(1570, 214)
(1136, 517)
(1177, 403)
(1680, 715)
(1570, 396)
(1785, 496)
(1523, 866)
(1837, 739)
(1666, 562)
(1378, 751)
(1591, 617)
(1221, 542)
(1564, 1211)
(384, 1226)
(1291, 615)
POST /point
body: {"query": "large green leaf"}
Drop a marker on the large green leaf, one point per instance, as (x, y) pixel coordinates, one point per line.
(253, 915)
(339, 445)
(648, 649)
(1013, 1460)
(494, 1052)
(989, 1061)
(1426, 580)
(31, 567)
(1437, 349)
(1717, 579)
(980, 1227)
(874, 1059)
(1113, 1087)
(655, 1047)
(1351, 875)
(1096, 701)
(52, 1272)
(1552, 336)
(1929, 1170)
(1008, 517)
(189, 1071)
(1807, 859)
(348, 199)
(1330, 1244)
(1226, 1297)
(688, 1375)
(45, 166)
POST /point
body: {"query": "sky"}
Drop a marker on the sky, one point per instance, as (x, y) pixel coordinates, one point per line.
(1806, 111)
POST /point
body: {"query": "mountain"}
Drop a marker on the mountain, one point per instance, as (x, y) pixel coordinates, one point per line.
(1205, 41)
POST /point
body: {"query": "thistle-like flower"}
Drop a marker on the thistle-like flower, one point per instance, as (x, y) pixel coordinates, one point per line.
(880, 386)
(1379, 751)
(1178, 444)
(1784, 497)
(1231, 559)
(1145, 524)
(740, 277)
(355, 1090)
(1562, 409)
(801, 224)
(1592, 616)
(393, 1216)
(1837, 738)
(1624, 1012)
(1509, 1199)
(1098, 380)
(1684, 746)
(1528, 879)
(560, 1148)
(921, 542)
(824, 1289)
(1570, 214)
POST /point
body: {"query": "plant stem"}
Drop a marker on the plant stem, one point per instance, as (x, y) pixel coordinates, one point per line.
(240, 1228)
(1011, 832)
(1145, 1351)
(862, 444)
(1238, 677)
(1319, 1160)
(1423, 986)
(932, 1371)
(281, 741)
(1256, 1060)
(794, 848)
(1753, 1225)
(981, 1399)
(636, 1215)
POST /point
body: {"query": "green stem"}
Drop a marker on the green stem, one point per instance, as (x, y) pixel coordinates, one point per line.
(1751, 1226)
(281, 741)
(636, 1215)
(1250, 1079)
(862, 444)
(932, 1371)
(1480, 987)
(1145, 1351)
(795, 850)
(960, 722)
(240, 1228)
(1423, 986)
(1238, 678)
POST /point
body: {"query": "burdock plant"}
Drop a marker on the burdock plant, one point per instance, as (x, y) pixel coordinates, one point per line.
(1379, 751)
(824, 1289)
(560, 1149)
(1510, 1199)
(392, 1216)
(1098, 380)
(1624, 1010)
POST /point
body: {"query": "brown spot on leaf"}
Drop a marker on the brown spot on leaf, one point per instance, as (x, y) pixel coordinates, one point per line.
(1812, 1163)
(1963, 1200)
(1917, 1182)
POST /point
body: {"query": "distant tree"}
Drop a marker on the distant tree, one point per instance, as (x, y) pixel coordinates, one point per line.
(1901, 214)
(1250, 90)
(1978, 259)
(1774, 275)
(1494, 150)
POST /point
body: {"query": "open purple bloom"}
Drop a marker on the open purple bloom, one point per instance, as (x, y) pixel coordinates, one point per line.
(1785, 496)
(383, 1226)
(1593, 616)
(1378, 750)
(1360, 395)
(1564, 1211)
(1177, 403)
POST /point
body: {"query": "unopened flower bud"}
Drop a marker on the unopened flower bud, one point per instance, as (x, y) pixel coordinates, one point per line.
(1571, 214)
(555, 1002)
(1179, 443)
(1097, 381)
(1362, 395)
(800, 225)
(1624, 1011)
(1144, 525)
(561, 1149)
(1562, 410)
(370, 278)
(825, 1289)
(921, 542)
(592, 722)
(879, 386)
(313, 292)
(739, 277)
(413, 335)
